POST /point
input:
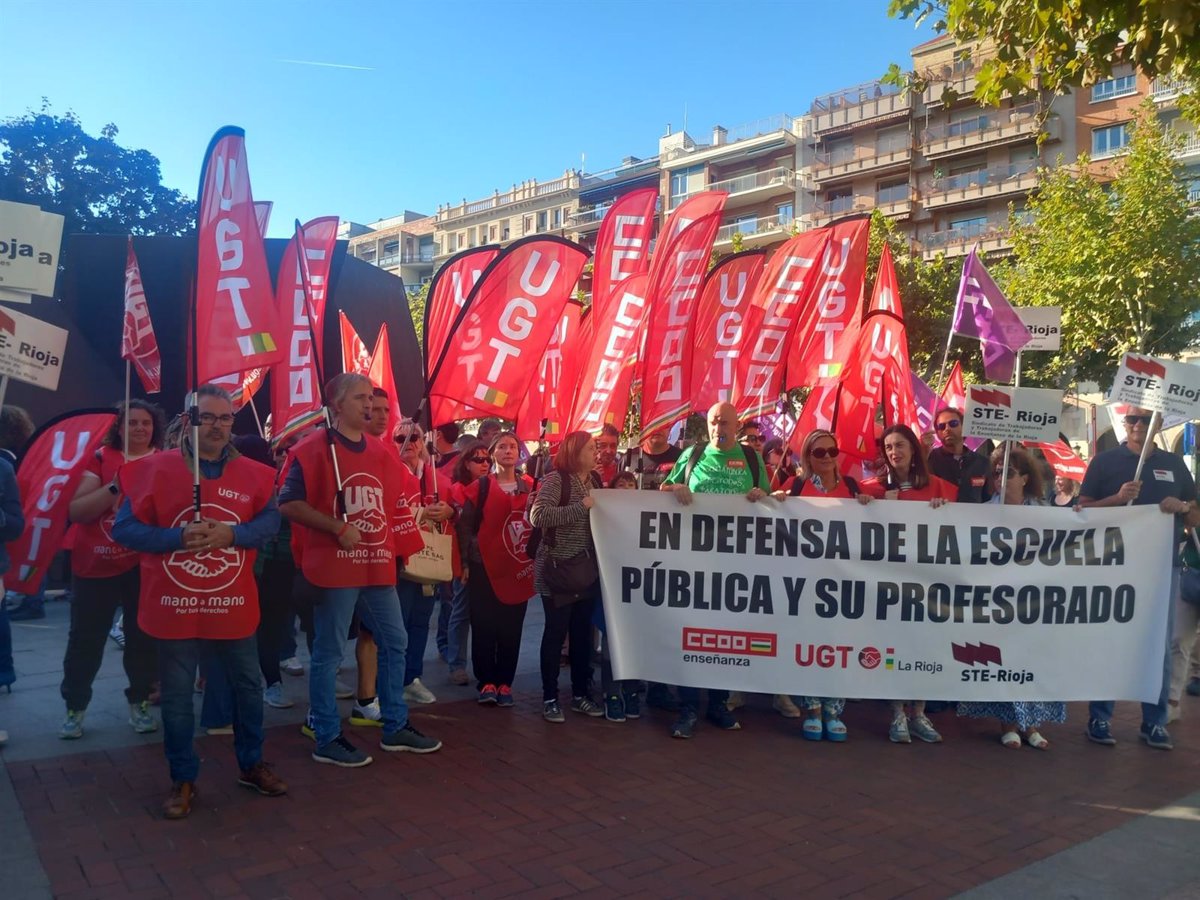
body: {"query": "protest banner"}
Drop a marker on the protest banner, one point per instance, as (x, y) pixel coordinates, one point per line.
(1160, 385)
(1001, 413)
(830, 598)
(1044, 324)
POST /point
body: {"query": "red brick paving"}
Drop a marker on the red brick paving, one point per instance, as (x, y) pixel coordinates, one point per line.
(514, 806)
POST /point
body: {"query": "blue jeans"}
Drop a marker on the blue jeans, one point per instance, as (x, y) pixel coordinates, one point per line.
(444, 596)
(379, 608)
(216, 710)
(177, 662)
(458, 626)
(417, 610)
(1152, 713)
(8, 673)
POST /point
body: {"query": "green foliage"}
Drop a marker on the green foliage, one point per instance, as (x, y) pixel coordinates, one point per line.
(99, 186)
(416, 309)
(1120, 259)
(1060, 44)
(738, 241)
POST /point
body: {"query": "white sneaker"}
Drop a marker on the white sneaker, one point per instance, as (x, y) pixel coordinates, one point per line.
(273, 697)
(292, 666)
(341, 690)
(3, 738)
(369, 715)
(418, 693)
(783, 705)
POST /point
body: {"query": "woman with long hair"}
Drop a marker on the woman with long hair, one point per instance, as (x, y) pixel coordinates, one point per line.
(105, 577)
(495, 569)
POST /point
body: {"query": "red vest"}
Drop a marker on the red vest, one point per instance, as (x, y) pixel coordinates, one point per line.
(210, 594)
(372, 484)
(937, 487)
(503, 531)
(94, 553)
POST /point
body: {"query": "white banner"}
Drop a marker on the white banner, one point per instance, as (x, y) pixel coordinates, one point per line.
(29, 245)
(1160, 385)
(1004, 413)
(891, 600)
(1045, 324)
(31, 350)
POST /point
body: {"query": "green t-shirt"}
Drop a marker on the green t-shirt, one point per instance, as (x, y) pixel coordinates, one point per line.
(720, 471)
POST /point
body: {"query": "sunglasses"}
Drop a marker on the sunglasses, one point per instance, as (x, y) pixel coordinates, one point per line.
(753, 439)
(822, 452)
(480, 460)
(1134, 420)
(949, 423)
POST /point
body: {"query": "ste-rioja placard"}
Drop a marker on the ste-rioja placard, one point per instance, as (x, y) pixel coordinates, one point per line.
(1001, 413)
(1160, 385)
(31, 350)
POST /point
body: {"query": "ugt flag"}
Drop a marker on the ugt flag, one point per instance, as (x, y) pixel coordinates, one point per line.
(138, 344)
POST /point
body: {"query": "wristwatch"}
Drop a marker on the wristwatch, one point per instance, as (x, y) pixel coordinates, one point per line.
(113, 489)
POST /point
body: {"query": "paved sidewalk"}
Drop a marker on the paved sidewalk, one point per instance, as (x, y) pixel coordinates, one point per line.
(516, 806)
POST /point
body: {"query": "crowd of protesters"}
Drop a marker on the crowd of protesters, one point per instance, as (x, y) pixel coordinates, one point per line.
(326, 526)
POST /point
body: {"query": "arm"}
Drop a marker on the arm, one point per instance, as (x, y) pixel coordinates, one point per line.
(92, 500)
(135, 534)
(12, 517)
(546, 512)
(294, 506)
(259, 530)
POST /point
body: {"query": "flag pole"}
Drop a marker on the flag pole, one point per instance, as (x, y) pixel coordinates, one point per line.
(1147, 446)
(125, 415)
(3, 388)
(302, 265)
(1008, 444)
(194, 408)
(257, 421)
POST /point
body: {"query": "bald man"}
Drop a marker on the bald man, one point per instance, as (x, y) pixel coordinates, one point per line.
(721, 466)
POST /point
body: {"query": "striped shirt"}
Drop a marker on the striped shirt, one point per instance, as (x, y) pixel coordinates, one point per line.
(568, 528)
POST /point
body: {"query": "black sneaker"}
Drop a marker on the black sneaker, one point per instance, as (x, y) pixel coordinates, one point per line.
(552, 712)
(409, 740)
(1156, 736)
(723, 719)
(633, 705)
(340, 752)
(614, 708)
(1098, 732)
(587, 706)
(659, 696)
(685, 725)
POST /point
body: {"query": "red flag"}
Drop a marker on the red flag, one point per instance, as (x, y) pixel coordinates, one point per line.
(549, 400)
(1063, 460)
(825, 335)
(680, 218)
(718, 335)
(623, 243)
(355, 357)
(603, 396)
(499, 337)
(382, 375)
(47, 477)
(242, 386)
(262, 214)
(447, 293)
(235, 311)
(138, 344)
(955, 391)
(783, 290)
(667, 360)
(818, 412)
(295, 392)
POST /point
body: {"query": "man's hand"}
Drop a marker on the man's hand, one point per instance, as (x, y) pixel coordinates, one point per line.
(937, 501)
(195, 535)
(891, 495)
(1129, 491)
(439, 511)
(1173, 506)
(207, 534)
(348, 537)
(681, 491)
(755, 494)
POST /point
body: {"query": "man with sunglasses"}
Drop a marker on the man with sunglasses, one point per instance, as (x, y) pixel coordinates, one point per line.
(1165, 481)
(956, 463)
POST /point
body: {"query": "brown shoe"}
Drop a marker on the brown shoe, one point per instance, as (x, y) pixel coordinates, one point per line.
(179, 804)
(263, 780)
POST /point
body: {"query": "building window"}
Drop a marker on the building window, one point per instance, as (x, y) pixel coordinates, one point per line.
(1110, 139)
(556, 221)
(968, 228)
(786, 213)
(391, 247)
(891, 140)
(527, 227)
(895, 191)
(839, 200)
(541, 221)
(686, 182)
(840, 151)
(966, 122)
(1120, 85)
(746, 224)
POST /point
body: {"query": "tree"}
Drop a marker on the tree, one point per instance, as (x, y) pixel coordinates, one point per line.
(1061, 44)
(98, 186)
(1120, 259)
(416, 309)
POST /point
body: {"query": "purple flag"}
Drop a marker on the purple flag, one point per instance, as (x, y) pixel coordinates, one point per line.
(928, 403)
(982, 312)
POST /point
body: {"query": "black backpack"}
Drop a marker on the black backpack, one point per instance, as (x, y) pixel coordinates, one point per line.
(536, 535)
(798, 486)
(698, 450)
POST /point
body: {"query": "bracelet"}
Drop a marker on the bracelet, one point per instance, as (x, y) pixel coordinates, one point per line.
(341, 531)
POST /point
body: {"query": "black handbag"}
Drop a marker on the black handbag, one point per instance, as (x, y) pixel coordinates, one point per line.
(574, 578)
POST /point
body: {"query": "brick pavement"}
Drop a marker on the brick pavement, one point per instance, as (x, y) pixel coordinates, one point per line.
(514, 806)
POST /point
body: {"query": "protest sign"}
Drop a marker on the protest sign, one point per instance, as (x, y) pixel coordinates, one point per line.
(830, 598)
(1003, 413)
(29, 245)
(1045, 326)
(31, 350)
(1160, 385)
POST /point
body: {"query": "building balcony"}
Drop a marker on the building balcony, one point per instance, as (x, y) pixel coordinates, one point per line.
(991, 236)
(588, 219)
(405, 259)
(971, 187)
(831, 166)
(827, 211)
(523, 193)
(988, 129)
(961, 76)
(755, 232)
(724, 139)
(1189, 148)
(856, 105)
(1163, 90)
(756, 185)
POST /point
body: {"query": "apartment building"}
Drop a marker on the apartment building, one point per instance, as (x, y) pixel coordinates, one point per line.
(754, 163)
(599, 190)
(531, 207)
(402, 245)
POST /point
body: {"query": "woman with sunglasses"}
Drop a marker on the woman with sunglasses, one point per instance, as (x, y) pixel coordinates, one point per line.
(1021, 718)
(906, 476)
(819, 476)
(498, 574)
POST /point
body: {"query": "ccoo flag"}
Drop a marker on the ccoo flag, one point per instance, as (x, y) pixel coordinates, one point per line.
(719, 334)
(983, 312)
(236, 321)
(623, 243)
(138, 344)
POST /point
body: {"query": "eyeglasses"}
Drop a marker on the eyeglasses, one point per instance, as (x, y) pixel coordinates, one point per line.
(600, 446)
(949, 423)
(212, 419)
(822, 452)
(1134, 420)
(481, 460)
(753, 439)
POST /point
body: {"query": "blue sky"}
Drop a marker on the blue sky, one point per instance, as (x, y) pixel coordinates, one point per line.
(436, 101)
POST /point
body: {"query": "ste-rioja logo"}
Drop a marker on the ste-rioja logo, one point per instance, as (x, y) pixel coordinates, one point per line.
(741, 643)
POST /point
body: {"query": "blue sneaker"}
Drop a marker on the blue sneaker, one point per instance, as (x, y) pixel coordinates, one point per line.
(685, 725)
(1156, 736)
(633, 705)
(1193, 687)
(1098, 732)
(340, 752)
(723, 719)
(308, 729)
(614, 708)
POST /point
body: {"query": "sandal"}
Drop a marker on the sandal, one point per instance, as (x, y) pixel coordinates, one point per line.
(1036, 741)
(1011, 739)
(813, 728)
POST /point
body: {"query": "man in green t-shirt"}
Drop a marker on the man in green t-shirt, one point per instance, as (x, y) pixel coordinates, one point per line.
(723, 467)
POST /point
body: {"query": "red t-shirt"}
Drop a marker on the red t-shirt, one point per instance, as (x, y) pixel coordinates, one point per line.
(937, 487)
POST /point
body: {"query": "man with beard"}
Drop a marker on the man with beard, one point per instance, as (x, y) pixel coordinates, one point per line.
(956, 463)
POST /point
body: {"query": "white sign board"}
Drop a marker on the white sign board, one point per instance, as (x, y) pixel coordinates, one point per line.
(29, 245)
(31, 350)
(828, 598)
(1160, 385)
(1045, 324)
(1004, 413)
